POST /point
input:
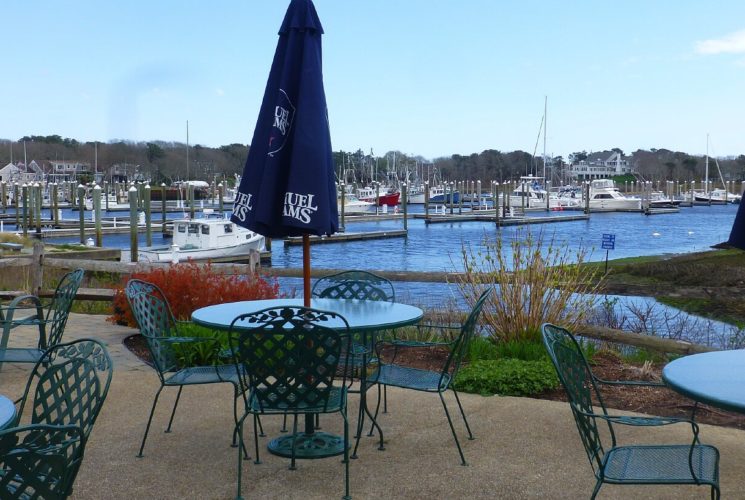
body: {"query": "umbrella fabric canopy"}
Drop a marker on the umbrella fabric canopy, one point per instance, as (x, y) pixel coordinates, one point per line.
(288, 188)
(737, 235)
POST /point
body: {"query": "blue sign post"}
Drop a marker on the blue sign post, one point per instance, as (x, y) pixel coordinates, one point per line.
(608, 243)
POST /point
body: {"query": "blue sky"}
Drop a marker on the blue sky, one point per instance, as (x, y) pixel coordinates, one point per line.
(426, 77)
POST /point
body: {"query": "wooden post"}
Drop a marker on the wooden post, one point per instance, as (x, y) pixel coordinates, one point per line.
(586, 190)
(148, 216)
(97, 214)
(37, 267)
(25, 210)
(426, 199)
(106, 196)
(39, 200)
(5, 199)
(31, 205)
(342, 195)
(163, 207)
(55, 204)
(495, 203)
(132, 196)
(190, 188)
(377, 197)
(81, 207)
(405, 203)
(220, 201)
(16, 199)
(478, 193)
(460, 192)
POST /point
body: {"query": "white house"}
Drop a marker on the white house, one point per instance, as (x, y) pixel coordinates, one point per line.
(601, 165)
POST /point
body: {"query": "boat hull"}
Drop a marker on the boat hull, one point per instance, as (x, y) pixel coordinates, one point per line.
(166, 254)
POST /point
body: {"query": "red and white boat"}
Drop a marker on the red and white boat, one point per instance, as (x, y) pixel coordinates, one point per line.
(387, 196)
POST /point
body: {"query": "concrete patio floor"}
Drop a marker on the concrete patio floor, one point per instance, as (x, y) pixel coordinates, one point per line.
(524, 448)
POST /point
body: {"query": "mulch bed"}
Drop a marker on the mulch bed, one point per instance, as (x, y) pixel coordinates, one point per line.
(659, 401)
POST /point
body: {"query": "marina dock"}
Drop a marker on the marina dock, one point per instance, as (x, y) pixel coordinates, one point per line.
(342, 237)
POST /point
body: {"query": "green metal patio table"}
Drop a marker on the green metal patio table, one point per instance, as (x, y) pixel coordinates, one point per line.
(363, 316)
(714, 378)
(7, 412)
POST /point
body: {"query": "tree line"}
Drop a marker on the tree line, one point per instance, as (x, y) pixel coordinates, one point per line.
(163, 161)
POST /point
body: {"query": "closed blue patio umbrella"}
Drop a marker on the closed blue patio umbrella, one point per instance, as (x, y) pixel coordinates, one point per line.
(288, 187)
(737, 235)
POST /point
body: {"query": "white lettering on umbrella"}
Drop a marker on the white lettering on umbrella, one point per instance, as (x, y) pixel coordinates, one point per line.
(299, 206)
(243, 205)
(281, 119)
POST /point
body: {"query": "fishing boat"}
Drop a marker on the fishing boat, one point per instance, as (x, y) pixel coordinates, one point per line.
(385, 195)
(605, 196)
(437, 194)
(211, 237)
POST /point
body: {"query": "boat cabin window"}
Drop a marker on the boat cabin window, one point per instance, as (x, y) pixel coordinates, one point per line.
(193, 228)
(228, 228)
(181, 228)
(205, 229)
(603, 196)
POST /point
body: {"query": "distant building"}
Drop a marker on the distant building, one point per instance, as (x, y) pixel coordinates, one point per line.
(68, 171)
(21, 173)
(601, 165)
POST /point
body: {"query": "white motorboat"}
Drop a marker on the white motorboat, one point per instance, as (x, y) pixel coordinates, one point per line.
(211, 237)
(604, 196)
(529, 193)
(354, 206)
(716, 197)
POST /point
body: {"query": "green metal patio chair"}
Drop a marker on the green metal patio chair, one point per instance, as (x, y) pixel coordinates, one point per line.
(389, 373)
(693, 463)
(293, 361)
(358, 285)
(161, 331)
(68, 386)
(39, 461)
(51, 324)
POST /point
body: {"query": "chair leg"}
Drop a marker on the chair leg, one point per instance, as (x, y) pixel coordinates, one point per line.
(715, 492)
(256, 438)
(377, 410)
(173, 413)
(284, 423)
(596, 490)
(149, 421)
(385, 399)
(241, 450)
(463, 414)
(452, 429)
(294, 442)
(346, 454)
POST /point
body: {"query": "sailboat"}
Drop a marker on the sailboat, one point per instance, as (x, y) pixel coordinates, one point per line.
(716, 196)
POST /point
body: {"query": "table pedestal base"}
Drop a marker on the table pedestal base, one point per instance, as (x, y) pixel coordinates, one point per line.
(315, 445)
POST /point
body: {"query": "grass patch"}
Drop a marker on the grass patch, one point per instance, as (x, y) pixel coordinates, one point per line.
(507, 377)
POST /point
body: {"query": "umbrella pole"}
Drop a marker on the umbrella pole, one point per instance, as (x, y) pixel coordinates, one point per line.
(306, 270)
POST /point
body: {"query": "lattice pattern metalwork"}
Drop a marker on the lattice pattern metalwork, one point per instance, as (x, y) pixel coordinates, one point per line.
(639, 464)
(69, 384)
(291, 359)
(359, 285)
(59, 309)
(39, 461)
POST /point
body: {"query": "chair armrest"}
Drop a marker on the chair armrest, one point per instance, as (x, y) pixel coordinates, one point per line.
(637, 421)
(7, 314)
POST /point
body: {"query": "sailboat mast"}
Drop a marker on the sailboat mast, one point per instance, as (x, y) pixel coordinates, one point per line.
(545, 126)
(187, 150)
(706, 177)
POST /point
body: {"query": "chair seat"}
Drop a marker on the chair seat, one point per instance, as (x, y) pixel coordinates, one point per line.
(410, 378)
(20, 355)
(661, 464)
(337, 400)
(204, 375)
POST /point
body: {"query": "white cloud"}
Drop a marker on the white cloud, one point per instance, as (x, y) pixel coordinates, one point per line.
(733, 43)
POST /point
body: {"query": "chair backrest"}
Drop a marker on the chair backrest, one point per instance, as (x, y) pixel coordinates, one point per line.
(39, 461)
(69, 383)
(360, 285)
(59, 308)
(156, 321)
(576, 377)
(291, 356)
(460, 346)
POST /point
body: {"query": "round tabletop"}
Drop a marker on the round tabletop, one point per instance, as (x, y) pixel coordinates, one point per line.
(7, 412)
(360, 314)
(715, 378)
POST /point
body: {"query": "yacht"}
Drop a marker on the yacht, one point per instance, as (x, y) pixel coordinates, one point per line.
(354, 206)
(604, 196)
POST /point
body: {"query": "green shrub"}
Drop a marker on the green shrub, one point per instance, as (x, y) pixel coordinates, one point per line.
(526, 350)
(200, 353)
(481, 348)
(507, 377)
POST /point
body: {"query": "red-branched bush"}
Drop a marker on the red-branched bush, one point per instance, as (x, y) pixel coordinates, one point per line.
(189, 286)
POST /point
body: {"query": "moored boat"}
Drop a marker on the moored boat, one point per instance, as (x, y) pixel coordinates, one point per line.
(211, 237)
